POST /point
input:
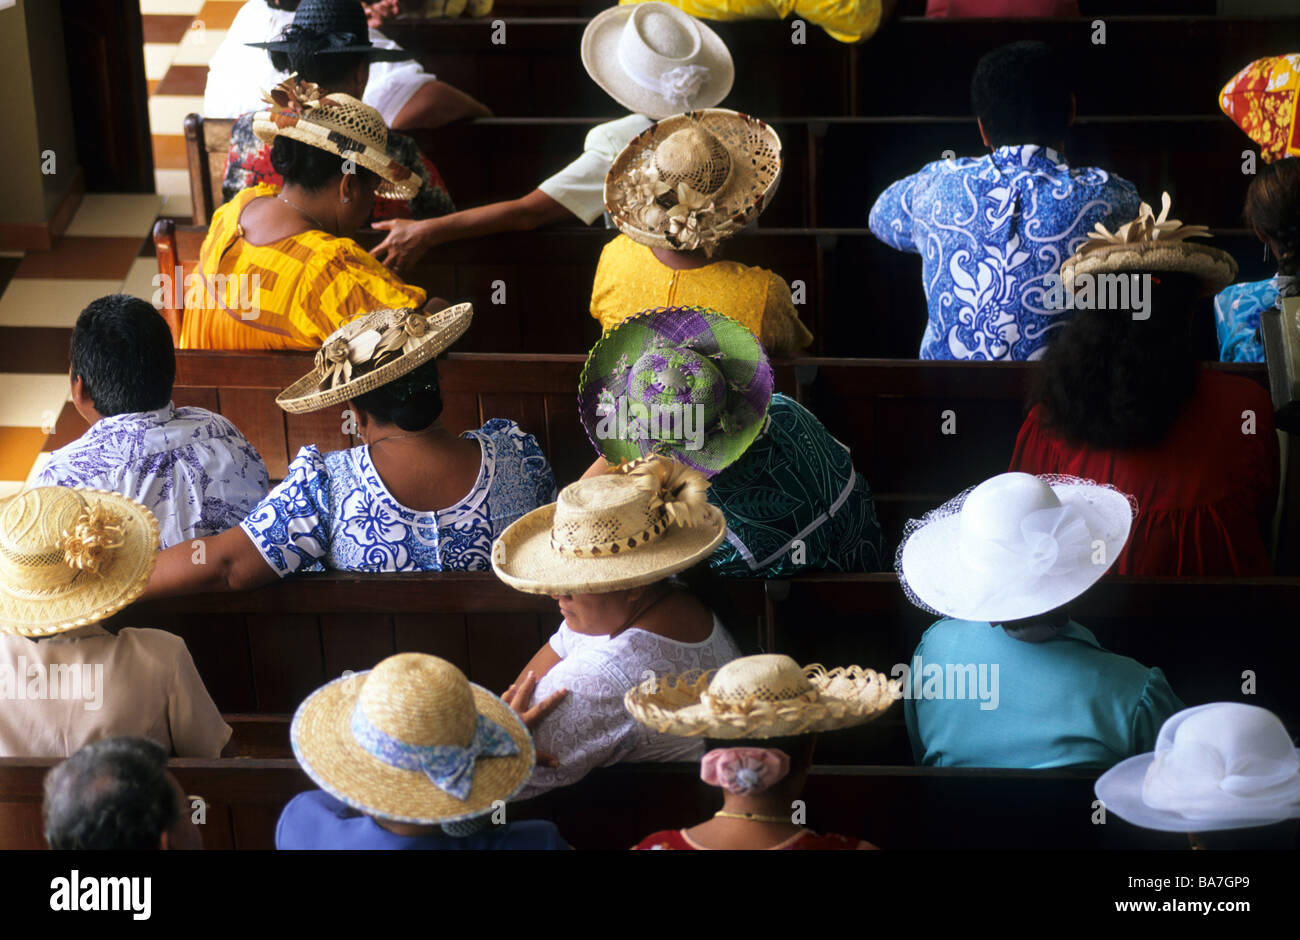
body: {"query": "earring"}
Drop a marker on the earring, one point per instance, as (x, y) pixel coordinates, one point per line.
(346, 199)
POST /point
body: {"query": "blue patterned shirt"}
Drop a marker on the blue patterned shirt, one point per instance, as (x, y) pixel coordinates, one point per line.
(334, 511)
(1236, 319)
(989, 230)
(193, 469)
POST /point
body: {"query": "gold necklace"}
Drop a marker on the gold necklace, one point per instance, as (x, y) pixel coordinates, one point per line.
(752, 817)
(303, 212)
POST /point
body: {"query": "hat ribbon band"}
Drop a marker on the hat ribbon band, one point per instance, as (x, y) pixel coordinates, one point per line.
(449, 768)
(1053, 542)
(678, 85)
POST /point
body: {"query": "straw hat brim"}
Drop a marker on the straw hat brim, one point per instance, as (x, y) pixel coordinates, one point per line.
(752, 183)
(445, 327)
(90, 598)
(600, 43)
(933, 567)
(398, 181)
(1213, 267)
(1120, 790)
(523, 557)
(322, 740)
(846, 697)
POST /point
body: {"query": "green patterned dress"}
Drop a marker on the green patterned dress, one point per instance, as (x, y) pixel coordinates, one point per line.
(793, 502)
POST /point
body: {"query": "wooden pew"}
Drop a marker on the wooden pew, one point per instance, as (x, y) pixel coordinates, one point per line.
(896, 808)
(207, 141)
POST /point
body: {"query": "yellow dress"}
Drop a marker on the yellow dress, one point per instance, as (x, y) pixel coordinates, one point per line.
(845, 20)
(290, 294)
(630, 279)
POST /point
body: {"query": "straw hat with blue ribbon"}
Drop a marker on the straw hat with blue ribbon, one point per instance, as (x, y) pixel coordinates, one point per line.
(412, 741)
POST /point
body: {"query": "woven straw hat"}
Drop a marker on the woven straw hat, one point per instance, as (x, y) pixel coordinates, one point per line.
(768, 696)
(1263, 99)
(634, 526)
(71, 557)
(1152, 243)
(667, 357)
(693, 180)
(375, 348)
(414, 741)
(338, 123)
(655, 60)
(331, 27)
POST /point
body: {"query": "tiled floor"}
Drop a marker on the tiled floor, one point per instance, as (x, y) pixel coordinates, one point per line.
(42, 293)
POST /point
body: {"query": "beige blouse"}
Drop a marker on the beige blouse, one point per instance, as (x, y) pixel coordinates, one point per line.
(61, 693)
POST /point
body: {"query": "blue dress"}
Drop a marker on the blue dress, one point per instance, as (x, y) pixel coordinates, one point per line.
(1236, 319)
(334, 511)
(315, 820)
(976, 697)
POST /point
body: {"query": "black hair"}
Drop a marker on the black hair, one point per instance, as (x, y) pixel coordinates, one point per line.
(1111, 381)
(327, 70)
(1021, 94)
(412, 401)
(1273, 206)
(122, 349)
(112, 794)
(312, 168)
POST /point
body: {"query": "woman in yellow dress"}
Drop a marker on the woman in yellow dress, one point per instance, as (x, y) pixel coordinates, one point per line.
(677, 192)
(279, 268)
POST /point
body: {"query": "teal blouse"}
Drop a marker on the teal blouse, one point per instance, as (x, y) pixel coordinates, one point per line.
(976, 697)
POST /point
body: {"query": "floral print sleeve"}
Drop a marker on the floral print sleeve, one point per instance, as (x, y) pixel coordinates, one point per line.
(891, 216)
(290, 528)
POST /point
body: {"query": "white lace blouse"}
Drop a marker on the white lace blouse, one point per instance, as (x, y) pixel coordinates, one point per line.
(590, 728)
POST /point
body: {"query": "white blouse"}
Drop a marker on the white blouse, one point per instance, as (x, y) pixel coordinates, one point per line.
(591, 728)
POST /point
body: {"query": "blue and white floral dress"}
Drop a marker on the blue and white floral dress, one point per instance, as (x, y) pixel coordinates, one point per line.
(333, 511)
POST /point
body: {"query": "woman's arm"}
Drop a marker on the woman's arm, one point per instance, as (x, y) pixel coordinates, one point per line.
(225, 562)
(408, 240)
(600, 466)
(435, 104)
(539, 665)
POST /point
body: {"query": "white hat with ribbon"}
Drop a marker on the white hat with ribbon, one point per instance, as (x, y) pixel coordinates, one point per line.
(1226, 765)
(1013, 547)
(656, 60)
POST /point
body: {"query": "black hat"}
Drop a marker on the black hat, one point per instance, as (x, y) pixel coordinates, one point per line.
(326, 27)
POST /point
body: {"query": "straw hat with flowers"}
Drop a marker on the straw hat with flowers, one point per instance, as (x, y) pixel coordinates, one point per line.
(339, 124)
(373, 350)
(71, 557)
(693, 180)
(637, 525)
(414, 741)
(767, 696)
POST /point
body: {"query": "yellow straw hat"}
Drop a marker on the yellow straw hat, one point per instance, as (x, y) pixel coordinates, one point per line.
(767, 696)
(338, 123)
(71, 557)
(414, 741)
(637, 525)
(373, 350)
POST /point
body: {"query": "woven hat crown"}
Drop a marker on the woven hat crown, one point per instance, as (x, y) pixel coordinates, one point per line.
(767, 678)
(333, 16)
(676, 375)
(421, 700)
(605, 515)
(351, 118)
(695, 157)
(35, 527)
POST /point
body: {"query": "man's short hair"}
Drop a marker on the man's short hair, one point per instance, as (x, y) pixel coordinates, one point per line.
(122, 349)
(112, 794)
(1021, 94)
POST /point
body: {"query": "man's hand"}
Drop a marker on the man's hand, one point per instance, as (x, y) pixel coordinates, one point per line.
(519, 695)
(381, 11)
(405, 243)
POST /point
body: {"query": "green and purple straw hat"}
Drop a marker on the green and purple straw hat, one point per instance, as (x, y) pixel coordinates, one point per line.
(683, 382)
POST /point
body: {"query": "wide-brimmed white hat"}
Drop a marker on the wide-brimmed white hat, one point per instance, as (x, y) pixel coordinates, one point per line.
(1015, 546)
(1225, 765)
(656, 60)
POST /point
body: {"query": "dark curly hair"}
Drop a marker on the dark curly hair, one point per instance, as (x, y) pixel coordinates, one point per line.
(122, 351)
(412, 401)
(1110, 381)
(1021, 94)
(313, 168)
(112, 794)
(1273, 207)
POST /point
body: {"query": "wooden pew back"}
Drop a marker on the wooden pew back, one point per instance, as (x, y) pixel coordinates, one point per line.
(207, 142)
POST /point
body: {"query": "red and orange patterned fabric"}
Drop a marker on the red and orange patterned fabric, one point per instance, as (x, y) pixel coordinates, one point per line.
(1262, 100)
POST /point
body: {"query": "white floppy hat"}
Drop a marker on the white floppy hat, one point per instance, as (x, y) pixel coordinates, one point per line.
(1014, 546)
(1225, 765)
(656, 60)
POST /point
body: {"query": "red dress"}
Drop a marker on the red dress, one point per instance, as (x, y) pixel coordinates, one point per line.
(1205, 494)
(678, 839)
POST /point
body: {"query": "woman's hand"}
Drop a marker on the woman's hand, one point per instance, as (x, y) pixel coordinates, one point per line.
(519, 695)
(405, 243)
(380, 11)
